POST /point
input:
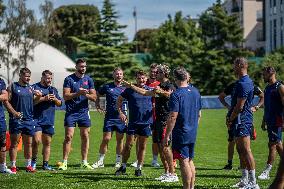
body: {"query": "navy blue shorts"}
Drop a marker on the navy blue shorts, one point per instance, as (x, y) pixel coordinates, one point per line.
(81, 119)
(111, 125)
(183, 151)
(242, 130)
(139, 129)
(25, 127)
(274, 134)
(45, 129)
(3, 126)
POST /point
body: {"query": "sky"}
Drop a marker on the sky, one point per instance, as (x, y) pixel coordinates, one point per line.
(150, 13)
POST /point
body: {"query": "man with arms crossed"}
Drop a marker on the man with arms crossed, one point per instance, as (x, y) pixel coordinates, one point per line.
(44, 112)
(3, 128)
(231, 141)
(182, 123)
(78, 88)
(112, 121)
(140, 119)
(273, 117)
(21, 123)
(241, 119)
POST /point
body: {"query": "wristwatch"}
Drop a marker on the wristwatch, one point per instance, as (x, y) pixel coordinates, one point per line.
(256, 107)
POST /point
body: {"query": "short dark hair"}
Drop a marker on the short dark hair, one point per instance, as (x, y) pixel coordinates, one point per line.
(117, 69)
(153, 65)
(80, 60)
(23, 71)
(46, 72)
(269, 69)
(240, 60)
(140, 72)
(180, 73)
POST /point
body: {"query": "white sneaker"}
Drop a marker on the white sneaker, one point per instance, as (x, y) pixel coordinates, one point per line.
(134, 164)
(98, 164)
(162, 177)
(170, 178)
(155, 164)
(251, 186)
(264, 176)
(243, 183)
(117, 164)
(7, 171)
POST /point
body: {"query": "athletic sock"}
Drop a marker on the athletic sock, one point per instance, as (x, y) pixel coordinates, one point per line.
(2, 167)
(268, 168)
(13, 163)
(84, 161)
(155, 158)
(34, 159)
(101, 157)
(118, 158)
(123, 165)
(251, 176)
(139, 167)
(244, 174)
(45, 163)
(64, 161)
(28, 162)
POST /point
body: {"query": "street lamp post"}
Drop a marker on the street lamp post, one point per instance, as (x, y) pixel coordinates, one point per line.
(135, 20)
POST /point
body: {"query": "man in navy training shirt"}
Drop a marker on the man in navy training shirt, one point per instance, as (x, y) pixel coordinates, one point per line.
(182, 123)
(273, 117)
(231, 141)
(161, 93)
(3, 128)
(44, 112)
(112, 121)
(78, 89)
(140, 120)
(241, 119)
(21, 123)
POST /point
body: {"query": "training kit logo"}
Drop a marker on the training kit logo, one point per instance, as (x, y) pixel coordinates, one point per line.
(85, 83)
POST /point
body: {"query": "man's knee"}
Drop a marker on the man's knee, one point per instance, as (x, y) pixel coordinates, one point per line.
(3, 142)
(68, 139)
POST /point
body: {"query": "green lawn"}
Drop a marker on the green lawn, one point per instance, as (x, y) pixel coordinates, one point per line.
(210, 157)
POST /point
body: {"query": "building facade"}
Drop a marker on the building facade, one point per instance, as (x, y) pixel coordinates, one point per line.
(250, 14)
(274, 24)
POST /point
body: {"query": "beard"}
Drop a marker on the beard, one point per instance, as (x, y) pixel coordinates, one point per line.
(81, 72)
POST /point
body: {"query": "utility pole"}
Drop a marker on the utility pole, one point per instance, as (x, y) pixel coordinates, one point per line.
(135, 20)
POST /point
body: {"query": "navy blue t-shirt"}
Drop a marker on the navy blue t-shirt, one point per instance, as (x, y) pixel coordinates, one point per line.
(273, 108)
(187, 102)
(112, 92)
(44, 111)
(22, 100)
(78, 104)
(244, 89)
(140, 107)
(2, 87)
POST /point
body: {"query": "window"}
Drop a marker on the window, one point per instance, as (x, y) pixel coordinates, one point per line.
(259, 15)
(259, 35)
(274, 34)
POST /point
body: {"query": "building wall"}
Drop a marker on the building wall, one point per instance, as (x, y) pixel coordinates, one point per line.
(274, 19)
(250, 17)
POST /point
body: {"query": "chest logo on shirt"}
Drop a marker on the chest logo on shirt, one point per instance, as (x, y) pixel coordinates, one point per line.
(111, 90)
(188, 90)
(19, 91)
(85, 83)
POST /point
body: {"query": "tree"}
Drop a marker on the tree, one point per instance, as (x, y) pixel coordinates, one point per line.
(46, 10)
(107, 48)
(143, 38)
(177, 42)
(20, 31)
(72, 20)
(222, 37)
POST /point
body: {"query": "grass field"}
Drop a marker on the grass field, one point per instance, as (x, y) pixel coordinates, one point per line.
(210, 157)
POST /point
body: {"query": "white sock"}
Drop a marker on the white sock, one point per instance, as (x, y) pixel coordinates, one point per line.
(244, 174)
(251, 176)
(155, 158)
(118, 158)
(13, 163)
(84, 161)
(101, 157)
(139, 167)
(123, 165)
(65, 161)
(28, 162)
(268, 168)
(2, 166)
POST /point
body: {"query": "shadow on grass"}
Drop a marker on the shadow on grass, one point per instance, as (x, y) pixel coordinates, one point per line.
(208, 169)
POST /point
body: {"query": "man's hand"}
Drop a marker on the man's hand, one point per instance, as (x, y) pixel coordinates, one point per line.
(100, 110)
(254, 108)
(228, 122)
(127, 84)
(83, 91)
(18, 115)
(123, 117)
(37, 93)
